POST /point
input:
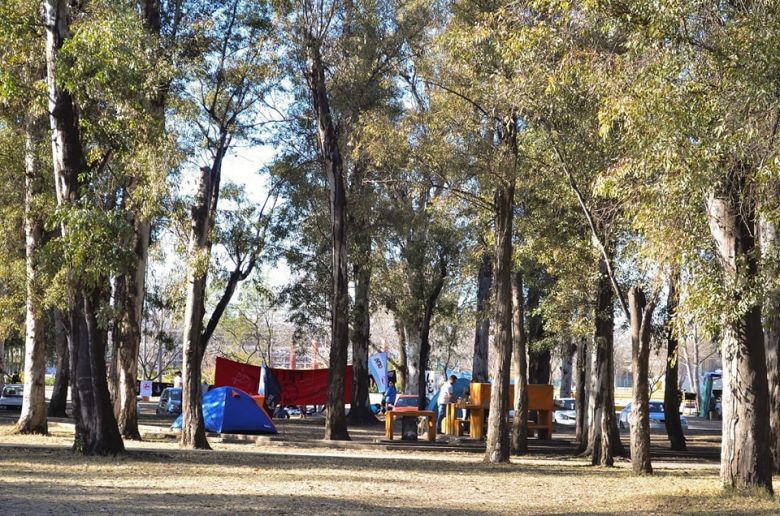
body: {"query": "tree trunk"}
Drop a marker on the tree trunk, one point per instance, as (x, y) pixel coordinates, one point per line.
(746, 459)
(671, 386)
(567, 372)
(33, 417)
(603, 437)
(132, 304)
(193, 432)
(360, 407)
(96, 428)
(497, 446)
(584, 363)
(59, 395)
(479, 368)
(413, 346)
(127, 348)
(402, 368)
(335, 419)
(520, 423)
(770, 254)
(641, 314)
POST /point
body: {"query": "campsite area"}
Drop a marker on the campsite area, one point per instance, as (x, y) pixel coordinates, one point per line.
(297, 472)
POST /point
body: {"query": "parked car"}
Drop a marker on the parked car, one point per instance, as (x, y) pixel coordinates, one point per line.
(657, 417)
(170, 402)
(12, 397)
(406, 402)
(565, 412)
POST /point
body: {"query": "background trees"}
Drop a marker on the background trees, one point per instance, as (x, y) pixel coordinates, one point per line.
(427, 157)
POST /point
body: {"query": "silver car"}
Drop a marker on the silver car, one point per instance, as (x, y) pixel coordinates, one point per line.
(565, 412)
(657, 417)
(12, 397)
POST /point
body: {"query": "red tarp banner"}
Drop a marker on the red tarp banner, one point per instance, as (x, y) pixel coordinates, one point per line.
(235, 374)
(308, 386)
(298, 386)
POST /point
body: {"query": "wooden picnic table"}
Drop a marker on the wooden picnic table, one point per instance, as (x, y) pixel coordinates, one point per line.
(392, 414)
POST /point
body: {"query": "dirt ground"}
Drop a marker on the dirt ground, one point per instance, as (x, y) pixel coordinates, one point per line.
(297, 474)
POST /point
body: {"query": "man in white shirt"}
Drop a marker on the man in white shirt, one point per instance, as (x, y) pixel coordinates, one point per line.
(177, 380)
(446, 395)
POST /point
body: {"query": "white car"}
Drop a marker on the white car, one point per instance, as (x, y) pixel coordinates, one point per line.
(12, 396)
(657, 417)
(565, 412)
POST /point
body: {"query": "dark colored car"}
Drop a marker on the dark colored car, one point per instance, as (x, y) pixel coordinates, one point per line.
(170, 402)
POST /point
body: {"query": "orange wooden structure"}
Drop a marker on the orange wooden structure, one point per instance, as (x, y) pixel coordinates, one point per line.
(392, 414)
(540, 410)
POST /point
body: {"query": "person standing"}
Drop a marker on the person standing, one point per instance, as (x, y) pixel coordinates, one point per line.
(390, 395)
(177, 380)
(446, 395)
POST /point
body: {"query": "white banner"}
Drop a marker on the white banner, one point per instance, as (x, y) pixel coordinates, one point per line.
(146, 388)
(377, 365)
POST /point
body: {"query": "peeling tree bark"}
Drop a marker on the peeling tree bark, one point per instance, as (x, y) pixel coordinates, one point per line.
(335, 419)
(567, 369)
(33, 417)
(641, 313)
(193, 432)
(770, 254)
(746, 459)
(603, 437)
(497, 446)
(96, 428)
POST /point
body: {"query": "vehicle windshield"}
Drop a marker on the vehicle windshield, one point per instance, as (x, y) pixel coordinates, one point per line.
(565, 405)
(656, 407)
(406, 402)
(176, 395)
(12, 392)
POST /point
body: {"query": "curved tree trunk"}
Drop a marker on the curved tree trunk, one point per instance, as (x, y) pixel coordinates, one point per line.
(641, 314)
(746, 459)
(335, 419)
(33, 417)
(96, 428)
(59, 395)
(479, 368)
(520, 423)
(671, 387)
(497, 446)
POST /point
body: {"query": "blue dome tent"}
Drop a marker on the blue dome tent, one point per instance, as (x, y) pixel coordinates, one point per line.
(231, 410)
